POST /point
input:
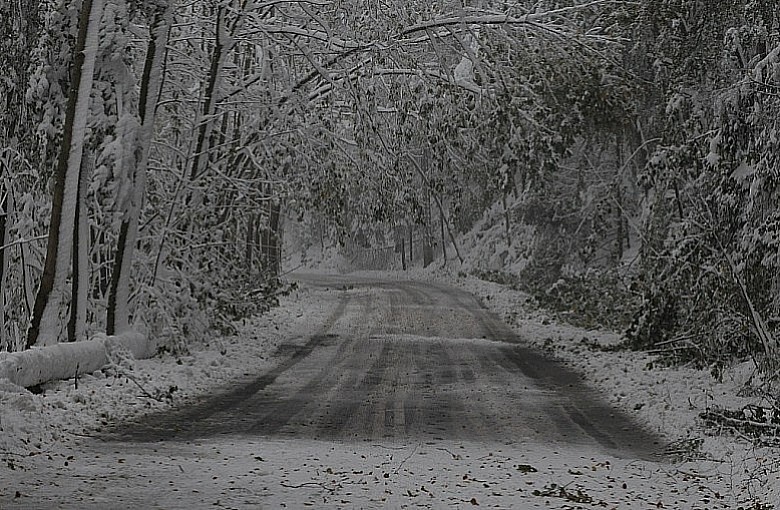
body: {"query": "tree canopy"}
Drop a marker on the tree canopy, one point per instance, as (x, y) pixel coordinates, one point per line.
(636, 140)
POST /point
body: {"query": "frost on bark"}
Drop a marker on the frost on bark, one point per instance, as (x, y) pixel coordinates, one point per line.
(47, 319)
(117, 317)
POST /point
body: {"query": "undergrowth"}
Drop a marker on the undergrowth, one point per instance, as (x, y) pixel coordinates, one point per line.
(592, 299)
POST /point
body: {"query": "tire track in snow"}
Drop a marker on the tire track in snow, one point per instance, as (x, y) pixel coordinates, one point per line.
(406, 362)
(204, 418)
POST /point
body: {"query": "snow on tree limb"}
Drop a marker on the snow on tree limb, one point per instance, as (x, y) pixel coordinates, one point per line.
(63, 361)
(770, 59)
(500, 19)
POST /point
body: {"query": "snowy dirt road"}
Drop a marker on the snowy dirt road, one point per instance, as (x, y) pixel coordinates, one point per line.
(408, 395)
(408, 361)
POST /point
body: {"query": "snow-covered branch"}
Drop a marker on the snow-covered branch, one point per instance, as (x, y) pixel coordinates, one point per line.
(65, 360)
(22, 241)
(771, 59)
(500, 19)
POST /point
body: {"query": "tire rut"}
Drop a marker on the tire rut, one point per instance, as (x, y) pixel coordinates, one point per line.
(409, 361)
(201, 418)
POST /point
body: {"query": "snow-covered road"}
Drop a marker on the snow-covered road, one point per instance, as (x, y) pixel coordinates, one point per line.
(408, 361)
(404, 394)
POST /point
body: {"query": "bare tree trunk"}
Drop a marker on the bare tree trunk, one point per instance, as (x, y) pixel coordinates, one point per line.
(24, 255)
(427, 234)
(250, 242)
(443, 237)
(441, 210)
(619, 200)
(270, 236)
(403, 251)
(46, 323)
(506, 219)
(265, 238)
(411, 244)
(449, 232)
(259, 238)
(281, 225)
(620, 234)
(80, 279)
(678, 199)
(321, 225)
(117, 314)
(274, 222)
(6, 203)
(210, 101)
(224, 43)
(99, 260)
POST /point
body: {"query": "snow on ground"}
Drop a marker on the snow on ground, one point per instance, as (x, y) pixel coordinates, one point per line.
(485, 246)
(41, 436)
(274, 473)
(32, 425)
(665, 399)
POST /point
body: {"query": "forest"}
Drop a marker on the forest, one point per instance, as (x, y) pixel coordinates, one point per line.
(152, 152)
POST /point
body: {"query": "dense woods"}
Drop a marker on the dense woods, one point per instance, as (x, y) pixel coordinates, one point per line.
(151, 153)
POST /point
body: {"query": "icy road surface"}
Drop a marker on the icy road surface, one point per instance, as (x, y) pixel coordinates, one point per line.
(408, 395)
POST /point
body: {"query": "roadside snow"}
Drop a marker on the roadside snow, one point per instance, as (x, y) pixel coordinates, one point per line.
(664, 399)
(43, 454)
(32, 425)
(60, 361)
(272, 473)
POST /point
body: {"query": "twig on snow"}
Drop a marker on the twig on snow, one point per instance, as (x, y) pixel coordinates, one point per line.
(414, 450)
(143, 390)
(694, 475)
(454, 455)
(126, 374)
(308, 484)
(389, 447)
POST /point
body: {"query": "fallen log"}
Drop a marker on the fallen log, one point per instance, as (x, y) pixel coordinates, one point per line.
(62, 361)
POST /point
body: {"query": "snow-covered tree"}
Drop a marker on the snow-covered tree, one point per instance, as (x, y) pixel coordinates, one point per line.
(118, 313)
(711, 224)
(48, 313)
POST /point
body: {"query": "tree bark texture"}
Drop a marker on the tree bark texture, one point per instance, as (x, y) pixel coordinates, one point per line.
(250, 242)
(5, 223)
(271, 241)
(118, 313)
(411, 244)
(507, 224)
(80, 279)
(210, 101)
(46, 325)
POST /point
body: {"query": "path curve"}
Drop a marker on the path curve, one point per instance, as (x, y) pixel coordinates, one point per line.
(407, 361)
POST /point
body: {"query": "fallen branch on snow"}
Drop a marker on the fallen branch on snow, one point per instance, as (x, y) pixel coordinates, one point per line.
(753, 423)
(42, 364)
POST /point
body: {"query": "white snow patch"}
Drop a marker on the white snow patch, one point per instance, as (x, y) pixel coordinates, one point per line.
(31, 425)
(66, 360)
(667, 400)
(486, 342)
(40, 443)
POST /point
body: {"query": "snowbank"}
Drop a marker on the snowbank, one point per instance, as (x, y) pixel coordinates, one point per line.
(66, 360)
